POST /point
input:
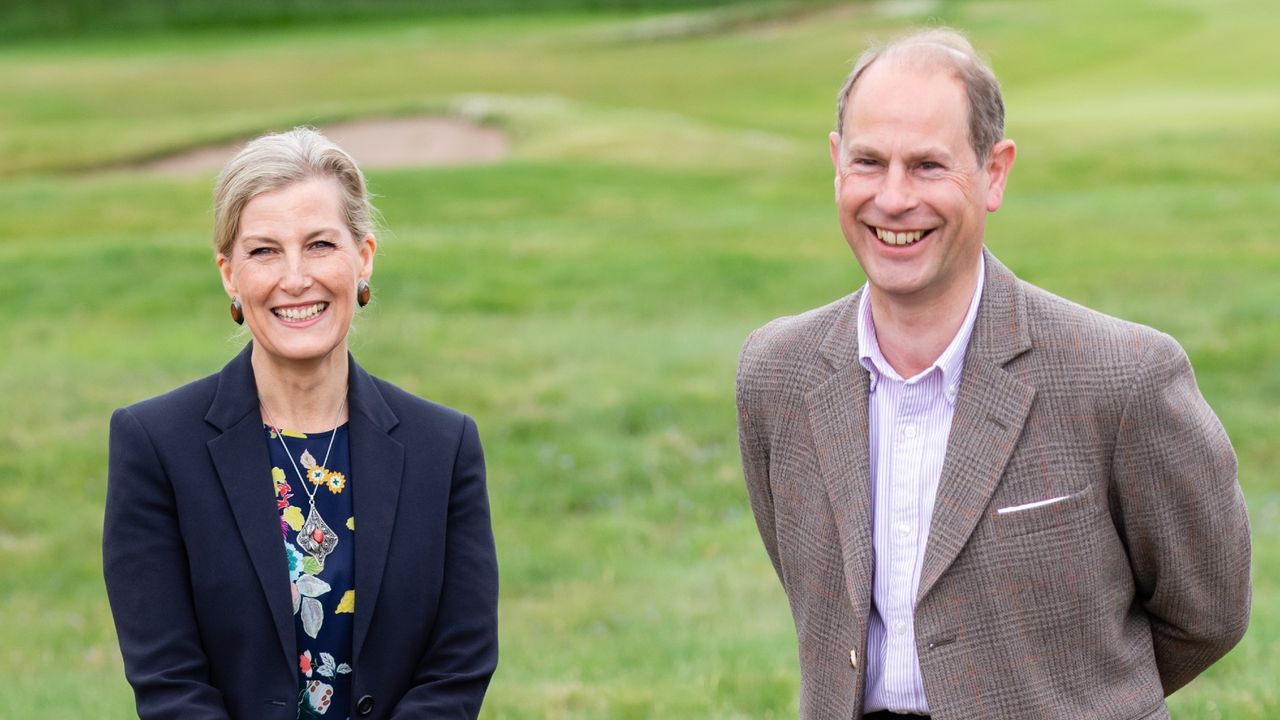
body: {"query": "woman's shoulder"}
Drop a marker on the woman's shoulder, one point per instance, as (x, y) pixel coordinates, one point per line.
(190, 400)
(409, 407)
(173, 420)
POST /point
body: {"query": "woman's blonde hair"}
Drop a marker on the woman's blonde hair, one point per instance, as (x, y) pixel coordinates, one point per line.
(276, 160)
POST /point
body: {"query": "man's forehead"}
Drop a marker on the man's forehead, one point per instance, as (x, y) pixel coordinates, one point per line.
(907, 96)
(891, 73)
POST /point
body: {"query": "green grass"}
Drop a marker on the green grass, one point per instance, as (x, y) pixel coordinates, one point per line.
(27, 20)
(586, 298)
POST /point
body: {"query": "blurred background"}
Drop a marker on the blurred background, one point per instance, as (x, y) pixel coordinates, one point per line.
(588, 204)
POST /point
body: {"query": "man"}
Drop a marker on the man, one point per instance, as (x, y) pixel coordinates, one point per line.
(982, 500)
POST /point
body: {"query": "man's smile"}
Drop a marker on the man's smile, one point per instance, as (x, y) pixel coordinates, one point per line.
(900, 237)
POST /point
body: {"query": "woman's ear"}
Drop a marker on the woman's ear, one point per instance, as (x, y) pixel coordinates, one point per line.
(224, 270)
(368, 249)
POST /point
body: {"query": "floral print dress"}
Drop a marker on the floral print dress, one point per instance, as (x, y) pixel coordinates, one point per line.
(324, 597)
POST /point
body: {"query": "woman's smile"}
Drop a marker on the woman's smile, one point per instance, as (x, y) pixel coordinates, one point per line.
(300, 315)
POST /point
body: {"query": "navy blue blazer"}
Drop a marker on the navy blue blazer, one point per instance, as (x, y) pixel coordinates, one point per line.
(199, 585)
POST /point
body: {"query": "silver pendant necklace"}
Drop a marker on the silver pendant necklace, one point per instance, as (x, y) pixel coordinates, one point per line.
(315, 536)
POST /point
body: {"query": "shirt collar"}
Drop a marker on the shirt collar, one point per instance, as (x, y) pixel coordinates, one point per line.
(950, 363)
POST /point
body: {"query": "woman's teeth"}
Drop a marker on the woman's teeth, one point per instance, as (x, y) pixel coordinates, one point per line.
(305, 312)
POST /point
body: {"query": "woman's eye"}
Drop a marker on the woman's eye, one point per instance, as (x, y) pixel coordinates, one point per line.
(324, 245)
(259, 251)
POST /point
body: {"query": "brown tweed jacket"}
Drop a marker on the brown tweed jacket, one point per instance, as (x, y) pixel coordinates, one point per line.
(1097, 606)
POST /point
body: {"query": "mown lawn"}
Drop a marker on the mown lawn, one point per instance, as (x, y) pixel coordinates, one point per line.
(585, 299)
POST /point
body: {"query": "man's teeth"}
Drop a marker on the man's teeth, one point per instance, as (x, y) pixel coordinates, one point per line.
(305, 312)
(898, 238)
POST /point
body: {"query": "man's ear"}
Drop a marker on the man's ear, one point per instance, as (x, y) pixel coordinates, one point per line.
(998, 166)
(834, 141)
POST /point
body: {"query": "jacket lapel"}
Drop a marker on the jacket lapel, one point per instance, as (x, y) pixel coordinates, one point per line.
(240, 456)
(377, 466)
(991, 409)
(242, 460)
(837, 408)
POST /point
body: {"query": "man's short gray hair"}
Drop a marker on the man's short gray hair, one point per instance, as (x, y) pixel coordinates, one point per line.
(276, 160)
(951, 50)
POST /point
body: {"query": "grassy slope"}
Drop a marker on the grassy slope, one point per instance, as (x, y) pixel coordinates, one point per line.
(585, 300)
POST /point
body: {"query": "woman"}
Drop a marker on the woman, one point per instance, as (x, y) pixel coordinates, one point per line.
(239, 582)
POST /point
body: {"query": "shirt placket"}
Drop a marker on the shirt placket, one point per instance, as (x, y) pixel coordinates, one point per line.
(908, 449)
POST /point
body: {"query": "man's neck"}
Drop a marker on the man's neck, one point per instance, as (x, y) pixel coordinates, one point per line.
(302, 396)
(913, 332)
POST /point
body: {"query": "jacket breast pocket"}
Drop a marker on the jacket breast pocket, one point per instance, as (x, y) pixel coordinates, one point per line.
(1036, 515)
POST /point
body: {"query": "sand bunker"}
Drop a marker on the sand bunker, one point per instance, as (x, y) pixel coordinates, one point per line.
(374, 143)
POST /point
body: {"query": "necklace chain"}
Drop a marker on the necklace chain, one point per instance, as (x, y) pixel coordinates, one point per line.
(311, 494)
(315, 536)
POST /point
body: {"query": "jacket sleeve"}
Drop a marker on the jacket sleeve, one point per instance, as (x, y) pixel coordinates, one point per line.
(754, 447)
(1183, 517)
(462, 653)
(149, 585)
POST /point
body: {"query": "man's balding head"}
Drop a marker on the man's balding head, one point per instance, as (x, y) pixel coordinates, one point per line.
(944, 50)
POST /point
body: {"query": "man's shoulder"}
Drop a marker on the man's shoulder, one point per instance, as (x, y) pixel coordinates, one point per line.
(1092, 337)
(796, 340)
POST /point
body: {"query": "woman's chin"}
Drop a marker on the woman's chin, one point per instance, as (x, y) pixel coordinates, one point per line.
(298, 351)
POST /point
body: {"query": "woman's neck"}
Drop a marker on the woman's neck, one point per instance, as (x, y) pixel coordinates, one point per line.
(303, 397)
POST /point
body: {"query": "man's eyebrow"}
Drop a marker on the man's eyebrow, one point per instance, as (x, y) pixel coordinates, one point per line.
(858, 148)
(930, 152)
(915, 155)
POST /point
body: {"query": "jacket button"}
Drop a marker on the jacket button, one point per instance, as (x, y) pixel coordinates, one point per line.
(364, 705)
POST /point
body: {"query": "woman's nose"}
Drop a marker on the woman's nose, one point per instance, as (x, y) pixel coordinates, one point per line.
(297, 277)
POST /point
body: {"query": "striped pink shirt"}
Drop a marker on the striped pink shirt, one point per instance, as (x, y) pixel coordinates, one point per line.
(909, 421)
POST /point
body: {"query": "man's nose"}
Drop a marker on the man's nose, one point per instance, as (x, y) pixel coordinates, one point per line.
(896, 194)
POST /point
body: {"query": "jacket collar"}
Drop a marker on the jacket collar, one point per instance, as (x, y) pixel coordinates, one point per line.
(1000, 331)
(237, 394)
